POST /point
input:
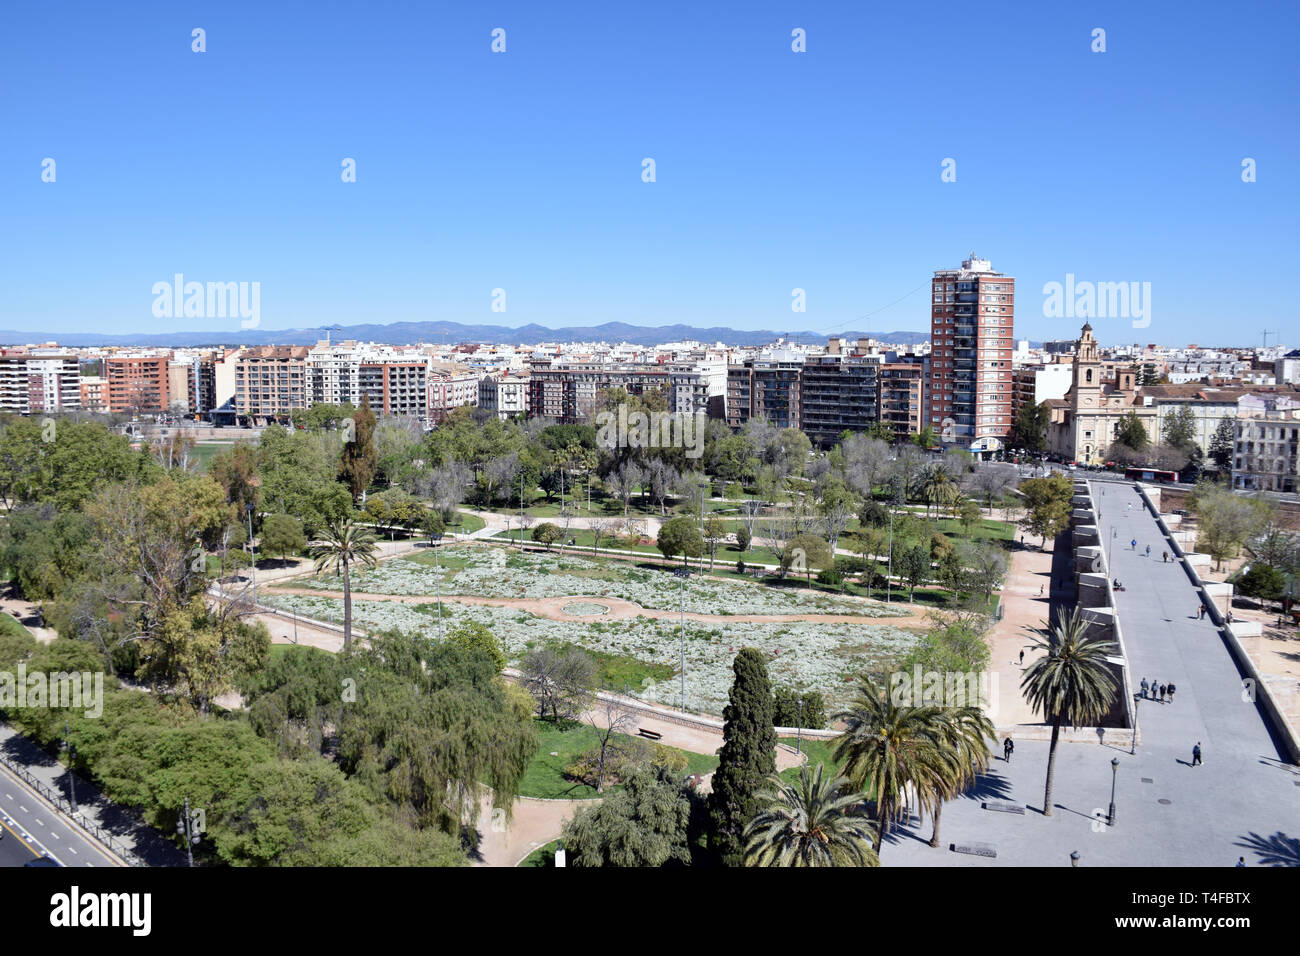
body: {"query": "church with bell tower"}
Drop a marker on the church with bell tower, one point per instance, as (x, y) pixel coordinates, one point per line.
(1086, 420)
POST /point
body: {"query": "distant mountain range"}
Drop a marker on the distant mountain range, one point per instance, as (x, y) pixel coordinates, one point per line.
(410, 333)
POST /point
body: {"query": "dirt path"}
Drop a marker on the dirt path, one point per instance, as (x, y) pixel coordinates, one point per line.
(619, 609)
(26, 614)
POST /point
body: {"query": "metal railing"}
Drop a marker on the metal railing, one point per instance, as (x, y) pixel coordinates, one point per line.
(64, 808)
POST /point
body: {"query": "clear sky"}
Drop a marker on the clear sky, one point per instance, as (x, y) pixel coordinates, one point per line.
(523, 171)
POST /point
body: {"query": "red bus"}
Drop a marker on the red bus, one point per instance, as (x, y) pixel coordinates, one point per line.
(1152, 474)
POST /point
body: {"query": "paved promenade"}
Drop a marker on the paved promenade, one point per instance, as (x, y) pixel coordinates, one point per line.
(1243, 800)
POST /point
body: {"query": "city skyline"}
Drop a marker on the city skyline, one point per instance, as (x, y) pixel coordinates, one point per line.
(776, 170)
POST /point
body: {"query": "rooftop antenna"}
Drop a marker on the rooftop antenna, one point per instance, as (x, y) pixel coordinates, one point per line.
(1266, 333)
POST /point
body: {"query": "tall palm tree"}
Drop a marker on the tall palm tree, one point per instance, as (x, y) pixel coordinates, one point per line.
(345, 545)
(937, 486)
(886, 747)
(1070, 682)
(967, 733)
(816, 822)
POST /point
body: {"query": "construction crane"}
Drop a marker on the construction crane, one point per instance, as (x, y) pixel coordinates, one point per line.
(1266, 333)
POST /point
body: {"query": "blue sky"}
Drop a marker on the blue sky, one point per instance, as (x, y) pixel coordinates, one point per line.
(522, 170)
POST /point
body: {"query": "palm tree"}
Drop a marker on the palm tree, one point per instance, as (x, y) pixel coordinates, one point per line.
(344, 545)
(967, 732)
(816, 822)
(937, 486)
(885, 748)
(1071, 681)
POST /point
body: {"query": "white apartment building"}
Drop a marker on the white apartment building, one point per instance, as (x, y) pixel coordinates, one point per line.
(35, 383)
(504, 392)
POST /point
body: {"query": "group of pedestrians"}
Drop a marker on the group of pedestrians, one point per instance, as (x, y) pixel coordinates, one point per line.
(1157, 691)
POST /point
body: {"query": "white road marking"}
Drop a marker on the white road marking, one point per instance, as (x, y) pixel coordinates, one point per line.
(70, 848)
(23, 808)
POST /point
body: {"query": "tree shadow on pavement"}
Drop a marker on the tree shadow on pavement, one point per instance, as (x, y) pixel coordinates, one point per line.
(1276, 850)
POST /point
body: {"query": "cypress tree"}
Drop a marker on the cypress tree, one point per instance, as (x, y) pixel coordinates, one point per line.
(747, 756)
(360, 460)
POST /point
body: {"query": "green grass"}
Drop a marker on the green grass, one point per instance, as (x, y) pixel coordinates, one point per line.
(545, 775)
(618, 671)
(11, 625)
(206, 451)
(467, 524)
(818, 751)
(543, 856)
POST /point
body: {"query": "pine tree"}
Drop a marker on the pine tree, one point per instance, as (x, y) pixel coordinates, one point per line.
(1222, 444)
(747, 756)
(360, 460)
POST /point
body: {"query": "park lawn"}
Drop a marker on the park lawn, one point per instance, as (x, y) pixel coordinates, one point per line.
(467, 523)
(620, 672)
(819, 752)
(545, 774)
(11, 625)
(1002, 531)
(204, 452)
(543, 856)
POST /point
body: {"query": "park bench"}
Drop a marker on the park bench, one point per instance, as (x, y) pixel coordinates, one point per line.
(650, 734)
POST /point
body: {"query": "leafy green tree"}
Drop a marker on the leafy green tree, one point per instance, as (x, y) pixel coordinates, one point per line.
(816, 822)
(432, 726)
(786, 711)
(645, 823)
(1071, 682)
(807, 553)
(743, 539)
(913, 567)
(1180, 429)
(1262, 581)
(345, 545)
(1132, 433)
(954, 644)
(1047, 504)
(282, 535)
(547, 533)
(680, 535)
(360, 460)
(715, 530)
(1226, 520)
(747, 757)
(1029, 431)
(1223, 444)
(472, 635)
(64, 463)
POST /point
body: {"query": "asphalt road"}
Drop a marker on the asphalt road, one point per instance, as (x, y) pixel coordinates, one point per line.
(29, 829)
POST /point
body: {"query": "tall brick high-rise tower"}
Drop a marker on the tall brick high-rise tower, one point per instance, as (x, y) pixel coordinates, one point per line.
(972, 320)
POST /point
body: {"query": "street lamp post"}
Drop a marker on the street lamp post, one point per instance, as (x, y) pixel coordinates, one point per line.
(1114, 773)
(253, 547)
(72, 755)
(798, 747)
(682, 575)
(185, 827)
(1137, 702)
(437, 576)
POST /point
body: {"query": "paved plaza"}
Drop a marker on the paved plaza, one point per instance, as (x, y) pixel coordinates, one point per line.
(1243, 800)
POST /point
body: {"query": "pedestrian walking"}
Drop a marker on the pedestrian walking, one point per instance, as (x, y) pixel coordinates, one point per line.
(1133, 545)
(1171, 693)
(1229, 617)
(1008, 748)
(1196, 754)
(1200, 612)
(1040, 590)
(1162, 693)
(1148, 551)
(1164, 557)
(1144, 688)
(1022, 657)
